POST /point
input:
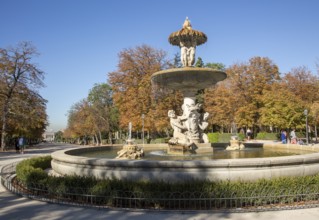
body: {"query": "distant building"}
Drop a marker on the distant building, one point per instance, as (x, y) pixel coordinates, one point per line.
(48, 136)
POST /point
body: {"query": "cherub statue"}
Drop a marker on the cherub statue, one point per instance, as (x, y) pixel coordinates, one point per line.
(203, 125)
(178, 136)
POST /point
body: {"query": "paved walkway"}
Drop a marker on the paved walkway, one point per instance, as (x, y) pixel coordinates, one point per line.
(14, 207)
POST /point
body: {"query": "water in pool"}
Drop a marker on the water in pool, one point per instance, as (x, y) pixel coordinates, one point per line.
(218, 153)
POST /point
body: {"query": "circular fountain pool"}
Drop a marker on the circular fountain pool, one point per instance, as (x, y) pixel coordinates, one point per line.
(217, 153)
(69, 162)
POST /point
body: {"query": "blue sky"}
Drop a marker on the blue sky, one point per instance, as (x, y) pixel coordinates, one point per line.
(79, 40)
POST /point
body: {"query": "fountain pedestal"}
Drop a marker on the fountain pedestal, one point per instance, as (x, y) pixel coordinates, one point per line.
(203, 148)
(177, 150)
(190, 126)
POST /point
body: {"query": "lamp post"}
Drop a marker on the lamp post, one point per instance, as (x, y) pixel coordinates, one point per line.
(143, 116)
(130, 131)
(306, 114)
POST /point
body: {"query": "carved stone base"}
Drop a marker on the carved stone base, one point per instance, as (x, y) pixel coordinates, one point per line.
(178, 149)
(200, 148)
(204, 148)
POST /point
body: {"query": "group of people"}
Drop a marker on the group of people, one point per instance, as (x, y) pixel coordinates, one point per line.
(292, 137)
(283, 136)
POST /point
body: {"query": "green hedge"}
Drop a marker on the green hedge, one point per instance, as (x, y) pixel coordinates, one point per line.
(267, 136)
(31, 170)
(223, 137)
(213, 137)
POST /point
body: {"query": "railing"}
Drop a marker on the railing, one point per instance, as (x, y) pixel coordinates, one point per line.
(215, 201)
(6, 174)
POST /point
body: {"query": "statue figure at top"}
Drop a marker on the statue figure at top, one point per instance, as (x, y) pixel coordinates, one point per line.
(187, 39)
(188, 47)
(187, 24)
(187, 54)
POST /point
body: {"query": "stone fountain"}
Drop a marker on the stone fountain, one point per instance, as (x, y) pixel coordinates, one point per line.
(189, 127)
(188, 133)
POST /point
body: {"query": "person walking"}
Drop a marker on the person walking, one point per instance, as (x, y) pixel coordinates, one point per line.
(21, 145)
(16, 143)
(293, 137)
(249, 133)
(283, 137)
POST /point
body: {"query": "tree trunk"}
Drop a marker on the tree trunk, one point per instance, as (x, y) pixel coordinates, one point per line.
(4, 124)
(97, 141)
(110, 138)
(100, 137)
(3, 133)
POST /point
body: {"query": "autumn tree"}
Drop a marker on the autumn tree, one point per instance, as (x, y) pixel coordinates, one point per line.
(315, 108)
(200, 96)
(304, 86)
(132, 89)
(17, 71)
(249, 82)
(105, 114)
(314, 113)
(281, 108)
(28, 116)
(95, 117)
(221, 103)
(80, 120)
(301, 82)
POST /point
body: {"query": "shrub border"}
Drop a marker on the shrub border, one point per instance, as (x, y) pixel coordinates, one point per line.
(246, 196)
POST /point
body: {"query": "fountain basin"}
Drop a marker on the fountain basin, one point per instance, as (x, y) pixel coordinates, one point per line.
(249, 169)
(188, 78)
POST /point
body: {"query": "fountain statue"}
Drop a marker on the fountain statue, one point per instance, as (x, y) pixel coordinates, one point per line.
(190, 126)
(187, 39)
(130, 150)
(235, 144)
